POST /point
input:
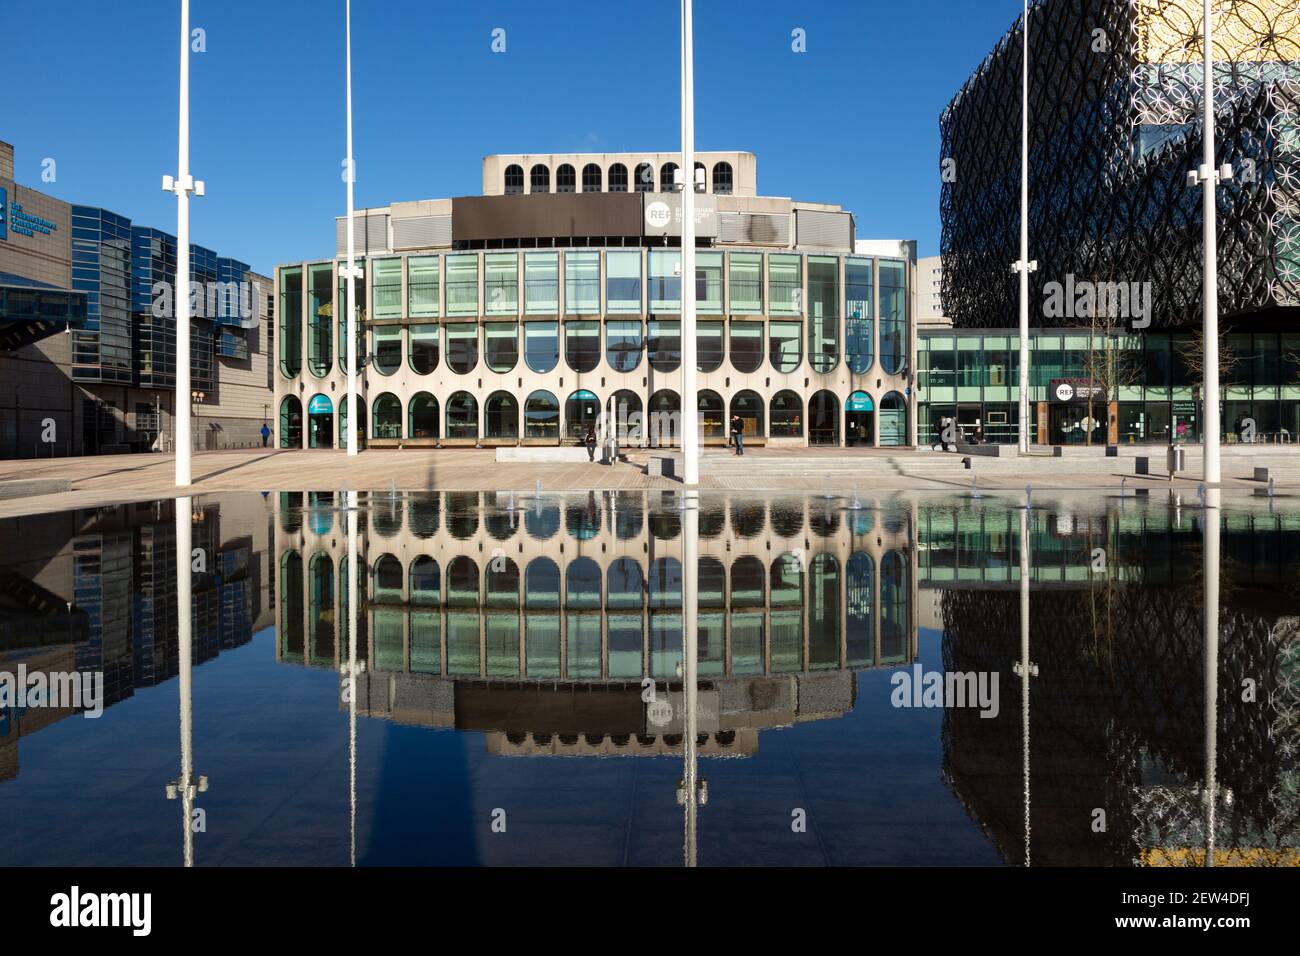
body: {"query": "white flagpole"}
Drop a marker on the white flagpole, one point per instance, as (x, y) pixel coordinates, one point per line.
(351, 273)
(690, 400)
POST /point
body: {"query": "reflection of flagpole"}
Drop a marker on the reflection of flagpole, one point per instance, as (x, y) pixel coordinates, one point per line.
(1210, 576)
(1023, 667)
(690, 669)
(352, 670)
(185, 785)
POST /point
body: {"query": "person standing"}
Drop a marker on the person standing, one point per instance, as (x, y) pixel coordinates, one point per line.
(738, 434)
(266, 434)
(590, 442)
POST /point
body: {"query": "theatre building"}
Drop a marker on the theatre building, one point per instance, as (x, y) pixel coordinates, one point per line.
(552, 303)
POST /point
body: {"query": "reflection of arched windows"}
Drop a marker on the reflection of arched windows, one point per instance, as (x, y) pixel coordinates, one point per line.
(542, 584)
(345, 613)
(463, 624)
(628, 516)
(618, 178)
(722, 179)
(388, 580)
(712, 414)
(462, 416)
(500, 521)
(665, 583)
(749, 407)
(387, 410)
(426, 512)
(712, 591)
(542, 521)
(747, 579)
(645, 178)
(514, 179)
(894, 586)
(859, 600)
(462, 514)
(624, 585)
(425, 588)
(785, 419)
(787, 517)
(824, 521)
(583, 517)
(539, 179)
(321, 612)
(462, 582)
(824, 613)
(386, 514)
(582, 585)
(422, 416)
(502, 583)
(542, 415)
(566, 179)
(290, 584)
(591, 178)
(291, 422)
(667, 177)
(501, 416)
(747, 518)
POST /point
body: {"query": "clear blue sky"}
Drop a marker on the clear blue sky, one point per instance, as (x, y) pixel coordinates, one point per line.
(854, 120)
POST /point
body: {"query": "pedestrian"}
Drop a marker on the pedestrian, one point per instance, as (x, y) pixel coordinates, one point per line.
(266, 434)
(738, 433)
(590, 442)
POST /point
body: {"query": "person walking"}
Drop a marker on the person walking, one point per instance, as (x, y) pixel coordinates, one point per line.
(590, 442)
(266, 434)
(738, 434)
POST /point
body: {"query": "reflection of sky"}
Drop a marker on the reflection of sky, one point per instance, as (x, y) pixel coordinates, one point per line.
(273, 741)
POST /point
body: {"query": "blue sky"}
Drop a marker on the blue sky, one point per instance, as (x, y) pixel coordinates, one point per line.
(853, 120)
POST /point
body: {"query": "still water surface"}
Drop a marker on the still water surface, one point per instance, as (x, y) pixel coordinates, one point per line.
(519, 690)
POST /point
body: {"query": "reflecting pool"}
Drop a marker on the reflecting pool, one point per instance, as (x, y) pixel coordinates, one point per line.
(653, 679)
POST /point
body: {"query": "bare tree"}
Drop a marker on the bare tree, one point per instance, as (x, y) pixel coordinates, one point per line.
(1110, 362)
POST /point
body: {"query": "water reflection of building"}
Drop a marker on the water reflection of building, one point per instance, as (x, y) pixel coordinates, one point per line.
(540, 624)
(1117, 708)
(94, 590)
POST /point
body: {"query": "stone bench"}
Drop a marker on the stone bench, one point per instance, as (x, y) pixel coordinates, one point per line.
(660, 467)
(984, 451)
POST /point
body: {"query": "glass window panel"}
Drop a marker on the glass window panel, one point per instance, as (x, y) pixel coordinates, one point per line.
(665, 267)
(623, 344)
(709, 346)
(823, 312)
(582, 283)
(386, 288)
(785, 345)
(664, 344)
(893, 316)
(423, 344)
(422, 286)
(462, 285)
(784, 284)
(582, 345)
(746, 281)
(501, 345)
(746, 346)
(542, 283)
(623, 282)
(387, 345)
(462, 347)
(708, 283)
(501, 283)
(542, 345)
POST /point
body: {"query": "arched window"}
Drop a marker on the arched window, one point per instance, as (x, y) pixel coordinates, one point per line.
(591, 178)
(539, 179)
(290, 321)
(290, 422)
(824, 419)
(823, 312)
(623, 344)
(712, 414)
(426, 512)
(624, 411)
(462, 582)
(859, 419)
(566, 179)
(618, 178)
(514, 179)
(462, 416)
(387, 411)
(667, 173)
(748, 577)
(785, 345)
(386, 342)
(425, 582)
(321, 612)
(893, 318)
(746, 346)
(501, 416)
(542, 346)
(582, 585)
(785, 417)
(422, 345)
(320, 327)
(422, 416)
(582, 344)
(664, 344)
(824, 586)
(462, 515)
(722, 179)
(320, 422)
(709, 348)
(501, 345)
(542, 416)
(663, 419)
(645, 178)
(581, 411)
(360, 406)
(749, 406)
(858, 332)
(462, 347)
(893, 419)
(542, 585)
(502, 588)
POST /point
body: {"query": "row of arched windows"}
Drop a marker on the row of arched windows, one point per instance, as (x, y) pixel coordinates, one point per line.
(642, 179)
(656, 423)
(775, 602)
